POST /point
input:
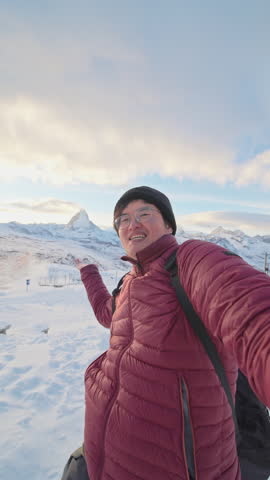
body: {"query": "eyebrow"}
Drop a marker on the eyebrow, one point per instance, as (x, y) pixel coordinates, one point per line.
(137, 209)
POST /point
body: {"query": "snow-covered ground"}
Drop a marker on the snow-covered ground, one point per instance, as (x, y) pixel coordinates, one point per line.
(42, 375)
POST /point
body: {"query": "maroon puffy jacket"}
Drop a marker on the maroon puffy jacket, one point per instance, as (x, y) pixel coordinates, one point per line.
(154, 405)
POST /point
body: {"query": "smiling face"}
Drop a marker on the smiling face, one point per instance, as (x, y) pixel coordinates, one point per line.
(138, 236)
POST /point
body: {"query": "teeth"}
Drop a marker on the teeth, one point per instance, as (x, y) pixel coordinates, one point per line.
(137, 236)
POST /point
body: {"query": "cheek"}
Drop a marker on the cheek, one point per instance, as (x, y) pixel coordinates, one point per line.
(123, 239)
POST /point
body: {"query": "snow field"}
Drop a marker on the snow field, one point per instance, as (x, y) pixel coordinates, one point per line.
(42, 376)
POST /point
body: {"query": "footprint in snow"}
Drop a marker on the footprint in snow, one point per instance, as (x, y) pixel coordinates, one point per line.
(3, 331)
(4, 407)
(20, 370)
(9, 357)
(25, 422)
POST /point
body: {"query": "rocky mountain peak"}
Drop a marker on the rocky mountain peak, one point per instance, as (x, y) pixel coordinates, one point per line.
(220, 231)
(80, 220)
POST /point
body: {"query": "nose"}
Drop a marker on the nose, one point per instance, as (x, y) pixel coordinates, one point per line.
(133, 221)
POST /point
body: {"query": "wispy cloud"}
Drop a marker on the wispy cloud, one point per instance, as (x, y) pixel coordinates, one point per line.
(46, 206)
(37, 57)
(221, 199)
(250, 223)
(43, 211)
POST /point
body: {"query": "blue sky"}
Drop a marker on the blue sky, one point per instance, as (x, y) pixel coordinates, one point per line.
(97, 97)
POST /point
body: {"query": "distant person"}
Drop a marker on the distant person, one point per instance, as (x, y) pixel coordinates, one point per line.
(154, 407)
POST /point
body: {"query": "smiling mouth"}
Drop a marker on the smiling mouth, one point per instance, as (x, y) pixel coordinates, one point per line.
(138, 237)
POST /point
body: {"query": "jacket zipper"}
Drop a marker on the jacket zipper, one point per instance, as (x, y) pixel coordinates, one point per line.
(188, 432)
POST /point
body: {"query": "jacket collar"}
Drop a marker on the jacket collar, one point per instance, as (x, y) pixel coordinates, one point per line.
(152, 252)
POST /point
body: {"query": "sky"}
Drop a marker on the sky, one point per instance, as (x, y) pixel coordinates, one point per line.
(97, 97)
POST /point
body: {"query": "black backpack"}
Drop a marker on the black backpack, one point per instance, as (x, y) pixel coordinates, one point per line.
(251, 417)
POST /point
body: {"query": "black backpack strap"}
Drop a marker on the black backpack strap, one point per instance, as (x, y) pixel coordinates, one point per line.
(116, 291)
(201, 332)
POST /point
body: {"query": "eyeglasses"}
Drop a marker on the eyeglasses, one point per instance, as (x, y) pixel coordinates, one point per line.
(142, 215)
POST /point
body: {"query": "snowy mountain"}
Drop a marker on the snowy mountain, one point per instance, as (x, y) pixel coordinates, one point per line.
(79, 231)
(24, 247)
(252, 249)
(81, 221)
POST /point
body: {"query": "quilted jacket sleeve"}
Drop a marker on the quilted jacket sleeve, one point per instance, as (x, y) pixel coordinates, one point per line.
(233, 300)
(98, 295)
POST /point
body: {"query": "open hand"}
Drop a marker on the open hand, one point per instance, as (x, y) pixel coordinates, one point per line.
(79, 264)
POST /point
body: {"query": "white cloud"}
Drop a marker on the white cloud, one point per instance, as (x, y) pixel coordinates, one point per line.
(250, 223)
(256, 170)
(221, 199)
(38, 142)
(48, 210)
(47, 206)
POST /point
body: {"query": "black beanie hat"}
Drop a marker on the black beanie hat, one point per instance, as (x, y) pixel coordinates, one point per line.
(149, 195)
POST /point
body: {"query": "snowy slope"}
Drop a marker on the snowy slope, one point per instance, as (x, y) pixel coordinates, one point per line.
(41, 376)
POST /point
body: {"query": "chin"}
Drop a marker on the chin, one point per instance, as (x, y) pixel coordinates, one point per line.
(133, 252)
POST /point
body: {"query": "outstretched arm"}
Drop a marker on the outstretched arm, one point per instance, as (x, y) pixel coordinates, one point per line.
(98, 295)
(233, 300)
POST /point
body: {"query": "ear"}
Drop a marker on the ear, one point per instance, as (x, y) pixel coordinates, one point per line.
(169, 228)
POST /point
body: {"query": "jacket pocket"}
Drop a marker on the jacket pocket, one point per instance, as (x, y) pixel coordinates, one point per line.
(95, 365)
(188, 433)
